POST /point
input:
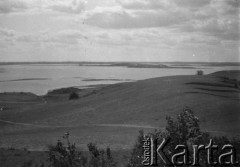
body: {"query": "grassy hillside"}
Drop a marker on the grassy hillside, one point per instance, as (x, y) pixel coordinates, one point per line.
(112, 115)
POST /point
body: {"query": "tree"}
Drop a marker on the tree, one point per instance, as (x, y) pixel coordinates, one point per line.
(73, 96)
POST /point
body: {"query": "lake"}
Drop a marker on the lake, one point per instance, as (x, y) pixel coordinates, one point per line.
(39, 79)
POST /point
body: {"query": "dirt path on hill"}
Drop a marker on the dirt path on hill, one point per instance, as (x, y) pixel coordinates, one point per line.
(97, 125)
(100, 125)
(127, 126)
(34, 125)
(25, 102)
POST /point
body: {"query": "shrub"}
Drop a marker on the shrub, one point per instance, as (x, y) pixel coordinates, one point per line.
(73, 96)
(236, 84)
(66, 155)
(27, 164)
(63, 90)
(137, 152)
(200, 72)
(100, 157)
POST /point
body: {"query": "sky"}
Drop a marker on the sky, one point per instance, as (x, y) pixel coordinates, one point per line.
(119, 30)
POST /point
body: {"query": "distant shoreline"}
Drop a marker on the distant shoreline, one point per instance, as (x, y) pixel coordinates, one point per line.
(123, 63)
(223, 73)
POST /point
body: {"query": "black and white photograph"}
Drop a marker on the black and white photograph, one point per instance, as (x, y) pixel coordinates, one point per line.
(119, 83)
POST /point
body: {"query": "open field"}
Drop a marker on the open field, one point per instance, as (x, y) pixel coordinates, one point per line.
(112, 115)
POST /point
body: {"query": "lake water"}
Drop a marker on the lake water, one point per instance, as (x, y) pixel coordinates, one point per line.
(41, 78)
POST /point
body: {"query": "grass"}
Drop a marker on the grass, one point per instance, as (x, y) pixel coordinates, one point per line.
(16, 157)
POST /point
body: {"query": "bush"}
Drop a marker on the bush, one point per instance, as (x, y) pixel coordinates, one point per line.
(66, 155)
(63, 90)
(100, 157)
(200, 72)
(27, 164)
(236, 84)
(73, 96)
(137, 152)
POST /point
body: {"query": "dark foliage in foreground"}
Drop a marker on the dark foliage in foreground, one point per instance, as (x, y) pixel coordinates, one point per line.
(66, 155)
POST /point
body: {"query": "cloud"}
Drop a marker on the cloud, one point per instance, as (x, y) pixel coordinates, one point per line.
(60, 37)
(172, 25)
(217, 18)
(121, 18)
(65, 6)
(64, 37)
(233, 3)
(7, 6)
(196, 4)
(160, 4)
(75, 6)
(220, 27)
(145, 13)
(144, 4)
(7, 37)
(6, 32)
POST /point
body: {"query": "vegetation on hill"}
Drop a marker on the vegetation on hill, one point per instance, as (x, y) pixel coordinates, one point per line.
(65, 154)
(63, 90)
(200, 72)
(73, 96)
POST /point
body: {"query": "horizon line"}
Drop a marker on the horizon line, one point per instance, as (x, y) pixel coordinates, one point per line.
(16, 62)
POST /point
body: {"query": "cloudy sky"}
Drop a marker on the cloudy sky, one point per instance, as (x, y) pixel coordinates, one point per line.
(119, 30)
